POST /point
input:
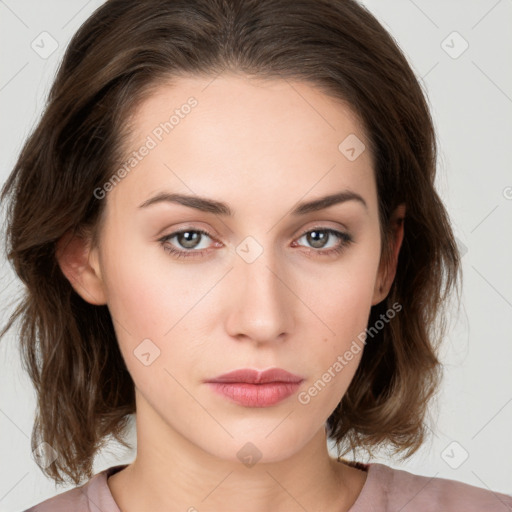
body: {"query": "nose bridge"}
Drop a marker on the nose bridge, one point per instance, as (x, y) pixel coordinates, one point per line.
(261, 303)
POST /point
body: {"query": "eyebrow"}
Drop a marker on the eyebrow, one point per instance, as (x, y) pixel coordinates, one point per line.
(219, 208)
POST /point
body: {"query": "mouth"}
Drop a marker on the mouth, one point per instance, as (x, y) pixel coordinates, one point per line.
(255, 388)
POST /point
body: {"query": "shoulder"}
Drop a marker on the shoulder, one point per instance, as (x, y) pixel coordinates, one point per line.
(406, 491)
(73, 499)
(93, 496)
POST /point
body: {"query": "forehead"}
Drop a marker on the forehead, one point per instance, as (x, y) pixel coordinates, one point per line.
(232, 136)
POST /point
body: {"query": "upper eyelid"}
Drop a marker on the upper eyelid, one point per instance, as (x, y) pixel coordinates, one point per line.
(318, 225)
(205, 232)
(208, 233)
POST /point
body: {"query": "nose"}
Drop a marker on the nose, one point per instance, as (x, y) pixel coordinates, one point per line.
(262, 305)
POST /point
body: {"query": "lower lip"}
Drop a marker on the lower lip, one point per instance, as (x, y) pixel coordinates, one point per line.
(255, 395)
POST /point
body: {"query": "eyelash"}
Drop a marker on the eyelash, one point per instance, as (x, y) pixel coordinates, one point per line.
(345, 238)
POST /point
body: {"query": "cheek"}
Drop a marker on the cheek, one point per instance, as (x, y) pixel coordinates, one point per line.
(153, 298)
(344, 311)
(341, 298)
(136, 299)
(341, 294)
(147, 293)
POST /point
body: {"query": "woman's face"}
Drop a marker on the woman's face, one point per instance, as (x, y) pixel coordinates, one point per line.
(265, 287)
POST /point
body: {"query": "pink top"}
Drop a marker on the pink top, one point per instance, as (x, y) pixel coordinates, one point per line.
(385, 490)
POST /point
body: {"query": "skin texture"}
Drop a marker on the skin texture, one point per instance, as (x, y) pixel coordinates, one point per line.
(261, 147)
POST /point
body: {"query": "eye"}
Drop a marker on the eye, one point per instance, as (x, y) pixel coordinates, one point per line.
(190, 240)
(187, 238)
(319, 236)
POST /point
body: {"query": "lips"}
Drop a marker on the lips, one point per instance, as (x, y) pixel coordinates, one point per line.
(255, 388)
(251, 376)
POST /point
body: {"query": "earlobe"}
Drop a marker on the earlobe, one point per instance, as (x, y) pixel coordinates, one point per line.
(79, 263)
(387, 275)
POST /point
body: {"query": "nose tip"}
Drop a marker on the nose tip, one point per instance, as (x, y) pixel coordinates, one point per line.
(261, 304)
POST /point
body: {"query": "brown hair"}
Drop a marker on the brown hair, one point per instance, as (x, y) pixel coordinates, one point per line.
(69, 347)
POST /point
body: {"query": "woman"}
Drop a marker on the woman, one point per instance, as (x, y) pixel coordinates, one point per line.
(227, 224)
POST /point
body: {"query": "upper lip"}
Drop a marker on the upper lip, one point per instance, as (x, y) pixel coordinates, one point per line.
(251, 376)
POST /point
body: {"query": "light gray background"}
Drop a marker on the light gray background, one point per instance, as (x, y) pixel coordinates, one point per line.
(471, 100)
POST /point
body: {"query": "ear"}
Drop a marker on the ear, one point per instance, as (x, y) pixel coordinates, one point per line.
(79, 262)
(386, 274)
